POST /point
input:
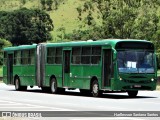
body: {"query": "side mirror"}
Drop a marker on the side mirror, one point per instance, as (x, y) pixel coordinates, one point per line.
(114, 55)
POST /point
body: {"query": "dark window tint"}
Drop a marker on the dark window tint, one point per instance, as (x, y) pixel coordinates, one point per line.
(86, 55)
(76, 55)
(17, 57)
(31, 59)
(25, 57)
(51, 55)
(96, 55)
(58, 56)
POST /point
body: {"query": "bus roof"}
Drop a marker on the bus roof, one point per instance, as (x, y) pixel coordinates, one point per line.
(21, 47)
(111, 42)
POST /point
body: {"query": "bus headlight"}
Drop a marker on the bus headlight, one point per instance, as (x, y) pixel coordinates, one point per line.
(152, 79)
(120, 78)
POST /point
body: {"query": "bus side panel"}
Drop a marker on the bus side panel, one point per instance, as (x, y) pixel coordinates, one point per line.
(55, 70)
(26, 74)
(82, 74)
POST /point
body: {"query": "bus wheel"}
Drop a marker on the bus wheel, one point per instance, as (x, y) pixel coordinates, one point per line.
(132, 93)
(85, 92)
(18, 86)
(45, 89)
(95, 88)
(60, 90)
(53, 85)
(23, 88)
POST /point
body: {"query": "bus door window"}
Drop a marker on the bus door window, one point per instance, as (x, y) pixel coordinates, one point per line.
(67, 62)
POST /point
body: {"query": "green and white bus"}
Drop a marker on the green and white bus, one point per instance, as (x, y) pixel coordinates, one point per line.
(93, 67)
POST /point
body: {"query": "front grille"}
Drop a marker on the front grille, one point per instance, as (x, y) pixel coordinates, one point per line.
(132, 81)
(134, 88)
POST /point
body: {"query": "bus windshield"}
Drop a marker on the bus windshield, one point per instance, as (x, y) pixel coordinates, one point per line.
(135, 61)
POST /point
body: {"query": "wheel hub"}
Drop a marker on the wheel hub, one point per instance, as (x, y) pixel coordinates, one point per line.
(95, 89)
(17, 84)
(53, 86)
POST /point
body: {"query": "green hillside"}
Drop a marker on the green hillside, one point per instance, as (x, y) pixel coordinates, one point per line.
(120, 18)
(65, 17)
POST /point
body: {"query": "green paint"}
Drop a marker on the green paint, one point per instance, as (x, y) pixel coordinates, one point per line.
(81, 75)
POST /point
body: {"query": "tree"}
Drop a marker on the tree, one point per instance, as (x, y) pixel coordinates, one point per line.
(49, 3)
(23, 2)
(3, 43)
(137, 19)
(79, 10)
(43, 3)
(129, 18)
(26, 26)
(89, 18)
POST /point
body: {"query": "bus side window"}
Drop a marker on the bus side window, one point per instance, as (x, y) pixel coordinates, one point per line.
(58, 57)
(32, 57)
(86, 55)
(51, 55)
(96, 55)
(17, 57)
(76, 55)
(25, 56)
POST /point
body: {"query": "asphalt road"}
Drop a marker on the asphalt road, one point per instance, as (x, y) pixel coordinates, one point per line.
(35, 100)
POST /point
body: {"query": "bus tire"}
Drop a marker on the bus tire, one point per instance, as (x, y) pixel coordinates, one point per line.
(95, 89)
(85, 92)
(53, 86)
(60, 90)
(132, 93)
(18, 86)
(45, 89)
(23, 88)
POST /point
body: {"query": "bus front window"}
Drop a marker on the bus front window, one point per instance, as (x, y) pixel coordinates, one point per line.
(132, 61)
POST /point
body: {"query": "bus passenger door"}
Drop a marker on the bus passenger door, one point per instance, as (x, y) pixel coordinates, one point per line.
(66, 68)
(106, 68)
(10, 69)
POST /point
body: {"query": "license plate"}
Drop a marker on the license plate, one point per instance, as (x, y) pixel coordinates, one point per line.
(137, 86)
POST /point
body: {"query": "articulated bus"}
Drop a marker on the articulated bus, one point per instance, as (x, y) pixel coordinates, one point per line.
(94, 67)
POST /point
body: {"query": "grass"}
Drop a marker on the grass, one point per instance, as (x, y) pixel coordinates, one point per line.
(66, 16)
(158, 87)
(158, 84)
(1, 71)
(158, 73)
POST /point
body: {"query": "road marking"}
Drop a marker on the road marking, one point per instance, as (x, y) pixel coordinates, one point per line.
(27, 106)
